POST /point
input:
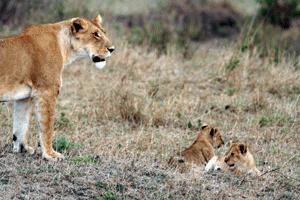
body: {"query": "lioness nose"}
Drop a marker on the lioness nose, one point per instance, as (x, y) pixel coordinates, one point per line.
(111, 49)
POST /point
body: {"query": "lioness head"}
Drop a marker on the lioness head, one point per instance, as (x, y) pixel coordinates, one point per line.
(236, 154)
(213, 135)
(89, 38)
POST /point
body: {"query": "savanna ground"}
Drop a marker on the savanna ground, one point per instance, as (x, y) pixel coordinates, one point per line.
(119, 126)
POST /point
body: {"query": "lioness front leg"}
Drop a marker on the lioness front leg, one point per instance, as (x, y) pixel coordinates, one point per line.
(45, 109)
(21, 117)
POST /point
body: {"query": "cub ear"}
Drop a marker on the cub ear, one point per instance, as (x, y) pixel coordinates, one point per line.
(204, 126)
(98, 20)
(243, 148)
(78, 25)
(212, 132)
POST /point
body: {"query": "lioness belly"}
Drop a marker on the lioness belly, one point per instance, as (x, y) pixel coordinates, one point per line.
(18, 93)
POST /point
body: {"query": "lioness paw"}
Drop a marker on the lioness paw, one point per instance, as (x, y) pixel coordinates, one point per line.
(22, 148)
(53, 156)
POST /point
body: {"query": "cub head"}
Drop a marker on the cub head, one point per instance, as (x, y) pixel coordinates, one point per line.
(89, 38)
(236, 154)
(213, 135)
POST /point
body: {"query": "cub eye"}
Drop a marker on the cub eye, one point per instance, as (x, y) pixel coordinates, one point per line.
(232, 154)
(96, 34)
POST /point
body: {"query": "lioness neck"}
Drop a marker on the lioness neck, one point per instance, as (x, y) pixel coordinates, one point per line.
(64, 37)
(63, 33)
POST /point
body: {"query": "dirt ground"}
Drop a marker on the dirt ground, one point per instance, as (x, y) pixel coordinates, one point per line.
(118, 127)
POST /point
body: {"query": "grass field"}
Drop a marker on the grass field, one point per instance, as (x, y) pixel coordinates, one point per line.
(119, 126)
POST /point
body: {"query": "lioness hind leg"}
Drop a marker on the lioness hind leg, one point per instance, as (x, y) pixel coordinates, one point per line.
(45, 108)
(21, 117)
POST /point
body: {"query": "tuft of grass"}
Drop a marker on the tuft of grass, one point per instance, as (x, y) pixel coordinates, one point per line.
(232, 64)
(130, 109)
(230, 91)
(101, 185)
(277, 119)
(108, 195)
(62, 144)
(62, 122)
(153, 89)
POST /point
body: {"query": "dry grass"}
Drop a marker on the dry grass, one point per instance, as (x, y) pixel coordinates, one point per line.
(119, 126)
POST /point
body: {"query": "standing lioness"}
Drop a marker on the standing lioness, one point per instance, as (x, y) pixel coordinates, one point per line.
(31, 71)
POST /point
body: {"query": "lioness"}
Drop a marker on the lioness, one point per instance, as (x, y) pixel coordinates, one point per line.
(31, 71)
(200, 152)
(238, 159)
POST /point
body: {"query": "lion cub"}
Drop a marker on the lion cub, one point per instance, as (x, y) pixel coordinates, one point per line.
(238, 159)
(200, 152)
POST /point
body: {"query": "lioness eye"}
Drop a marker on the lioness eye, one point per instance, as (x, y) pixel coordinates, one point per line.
(96, 34)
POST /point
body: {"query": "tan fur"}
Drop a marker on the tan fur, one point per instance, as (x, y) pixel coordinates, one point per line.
(32, 63)
(200, 152)
(238, 159)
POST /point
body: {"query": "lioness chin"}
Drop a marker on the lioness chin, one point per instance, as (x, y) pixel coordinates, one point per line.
(31, 72)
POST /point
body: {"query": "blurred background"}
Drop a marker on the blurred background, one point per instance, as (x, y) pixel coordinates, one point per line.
(185, 23)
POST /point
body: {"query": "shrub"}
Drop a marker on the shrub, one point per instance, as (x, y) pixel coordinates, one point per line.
(182, 21)
(16, 13)
(279, 12)
(61, 144)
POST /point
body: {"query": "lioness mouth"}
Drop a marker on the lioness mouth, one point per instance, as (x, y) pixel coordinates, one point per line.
(99, 62)
(98, 59)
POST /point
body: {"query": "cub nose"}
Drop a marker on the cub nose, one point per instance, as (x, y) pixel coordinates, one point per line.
(111, 49)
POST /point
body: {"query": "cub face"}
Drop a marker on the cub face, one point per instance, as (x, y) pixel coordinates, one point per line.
(236, 154)
(213, 135)
(89, 38)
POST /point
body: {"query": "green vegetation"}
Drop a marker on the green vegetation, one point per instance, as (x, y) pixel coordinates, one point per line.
(107, 196)
(279, 12)
(276, 119)
(62, 144)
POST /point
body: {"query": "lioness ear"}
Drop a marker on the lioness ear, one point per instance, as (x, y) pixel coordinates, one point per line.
(98, 20)
(78, 25)
(243, 148)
